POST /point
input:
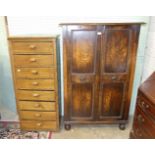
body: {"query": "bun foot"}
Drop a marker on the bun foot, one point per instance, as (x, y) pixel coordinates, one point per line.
(67, 126)
(122, 126)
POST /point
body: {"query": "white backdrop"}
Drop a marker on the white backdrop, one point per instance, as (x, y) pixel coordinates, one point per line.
(49, 25)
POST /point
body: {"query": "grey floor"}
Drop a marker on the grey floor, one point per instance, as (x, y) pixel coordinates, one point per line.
(94, 132)
(80, 131)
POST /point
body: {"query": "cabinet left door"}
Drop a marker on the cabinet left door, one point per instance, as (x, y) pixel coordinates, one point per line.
(80, 68)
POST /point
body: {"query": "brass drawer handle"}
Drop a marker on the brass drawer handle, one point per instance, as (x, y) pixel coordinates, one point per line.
(138, 132)
(147, 106)
(144, 105)
(33, 60)
(36, 95)
(39, 124)
(37, 105)
(140, 119)
(35, 83)
(38, 115)
(34, 72)
(32, 46)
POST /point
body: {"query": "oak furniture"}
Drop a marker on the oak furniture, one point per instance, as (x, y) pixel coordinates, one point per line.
(34, 68)
(99, 63)
(144, 118)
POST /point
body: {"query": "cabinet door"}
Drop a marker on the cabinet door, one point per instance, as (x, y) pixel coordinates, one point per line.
(116, 66)
(80, 83)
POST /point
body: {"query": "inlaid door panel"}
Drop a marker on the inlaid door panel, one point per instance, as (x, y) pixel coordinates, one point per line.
(114, 72)
(112, 100)
(82, 100)
(117, 48)
(82, 58)
(83, 51)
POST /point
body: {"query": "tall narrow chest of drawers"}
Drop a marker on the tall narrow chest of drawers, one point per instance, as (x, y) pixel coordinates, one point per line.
(144, 119)
(34, 67)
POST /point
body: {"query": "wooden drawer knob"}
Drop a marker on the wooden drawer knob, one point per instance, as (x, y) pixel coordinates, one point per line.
(18, 70)
(36, 95)
(39, 124)
(32, 46)
(34, 72)
(33, 60)
(35, 83)
(38, 115)
(37, 105)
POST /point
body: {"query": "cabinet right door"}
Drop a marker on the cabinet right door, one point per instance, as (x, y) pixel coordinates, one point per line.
(117, 61)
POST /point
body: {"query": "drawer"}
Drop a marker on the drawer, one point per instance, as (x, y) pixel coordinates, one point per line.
(32, 47)
(35, 73)
(139, 132)
(144, 122)
(36, 115)
(36, 95)
(38, 125)
(146, 105)
(33, 60)
(37, 106)
(42, 84)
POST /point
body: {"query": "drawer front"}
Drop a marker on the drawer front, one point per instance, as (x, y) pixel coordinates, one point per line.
(35, 73)
(33, 60)
(139, 132)
(36, 115)
(36, 95)
(37, 106)
(146, 106)
(27, 47)
(145, 122)
(42, 84)
(38, 125)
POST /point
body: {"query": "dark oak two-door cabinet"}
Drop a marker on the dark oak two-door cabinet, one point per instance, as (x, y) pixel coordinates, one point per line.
(99, 63)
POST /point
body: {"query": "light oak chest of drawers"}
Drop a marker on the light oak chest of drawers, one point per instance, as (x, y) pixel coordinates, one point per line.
(35, 74)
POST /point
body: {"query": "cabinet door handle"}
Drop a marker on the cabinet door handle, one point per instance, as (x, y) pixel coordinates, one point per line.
(113, 77)
(82, 79)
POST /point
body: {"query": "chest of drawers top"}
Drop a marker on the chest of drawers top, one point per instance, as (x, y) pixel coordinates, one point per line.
(148, 88)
